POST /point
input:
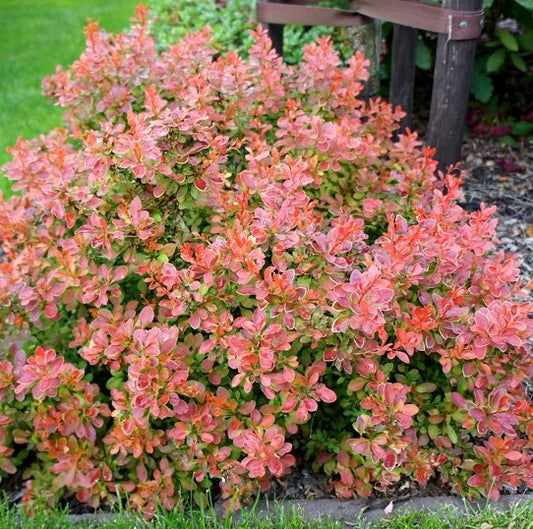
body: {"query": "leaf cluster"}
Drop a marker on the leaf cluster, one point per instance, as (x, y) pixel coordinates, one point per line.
(231, 22)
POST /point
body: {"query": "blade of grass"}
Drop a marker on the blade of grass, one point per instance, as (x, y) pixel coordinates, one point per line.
(485, 517)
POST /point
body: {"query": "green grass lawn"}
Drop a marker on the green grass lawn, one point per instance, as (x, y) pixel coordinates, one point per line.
(518, 517)
(36, 36)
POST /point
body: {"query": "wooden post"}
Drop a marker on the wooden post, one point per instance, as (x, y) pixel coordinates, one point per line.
(366, 37)
(451, 88)
(275, 32)
(403, 65)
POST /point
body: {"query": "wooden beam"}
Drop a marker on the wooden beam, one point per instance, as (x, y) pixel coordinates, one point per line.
(275, 32)
(366, 37)
(403, 66)
(451, 89)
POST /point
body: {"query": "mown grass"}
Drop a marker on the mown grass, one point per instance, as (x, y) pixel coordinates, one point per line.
(518, 517)
(36, 36)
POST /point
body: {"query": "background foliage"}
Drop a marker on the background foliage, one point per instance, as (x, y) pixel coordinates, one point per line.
(503, 72)
(231, 22)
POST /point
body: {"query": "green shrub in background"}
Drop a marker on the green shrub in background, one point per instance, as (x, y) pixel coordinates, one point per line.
(502, 72)
(505, 52)
(231, 22)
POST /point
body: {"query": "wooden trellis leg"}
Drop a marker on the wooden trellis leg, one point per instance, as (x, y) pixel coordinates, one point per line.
(403, 64)
(458, 23)
(275, 32)
(451, 88)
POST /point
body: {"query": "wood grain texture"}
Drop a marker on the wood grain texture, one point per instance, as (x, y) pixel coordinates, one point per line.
(451, 89)
(403, 65)
(275, 32)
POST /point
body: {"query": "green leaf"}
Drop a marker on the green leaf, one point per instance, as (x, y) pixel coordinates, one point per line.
(496, 60)
(482, 86)
(526, 41)
(458, 416)
(507, 39)
(528, 4)
(426, 387)
(522, 128)
(508, 140)
(115, 382)
(424, 57)
(451, 434)
(433, 431)
(518, 62)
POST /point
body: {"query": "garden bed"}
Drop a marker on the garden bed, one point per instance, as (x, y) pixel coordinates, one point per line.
(495, 174)
(503, 175)
(190, 271)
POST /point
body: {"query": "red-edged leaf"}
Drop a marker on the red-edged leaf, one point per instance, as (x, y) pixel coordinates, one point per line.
(343, 458)
(207, 346)
(458, 400)
(477, 480)
(389, 461)
(146, 316)
(514, 456)
(365, 366)
(51, 311)
(142, 473)
(410, 410)
(469, 369)
(477, 414)
(358, 446)
(8, 466)
(339, 325)
(326, 394)
(200, 184)
(346, 477)
(120, 273)
(356, 384)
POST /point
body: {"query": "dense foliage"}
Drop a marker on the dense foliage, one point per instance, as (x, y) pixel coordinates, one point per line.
(224, 267)
(503, 73)
(231, 22)
(503, 70)
(504, 63)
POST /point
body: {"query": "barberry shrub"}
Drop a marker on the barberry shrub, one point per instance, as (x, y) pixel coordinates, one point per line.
(231, 22)
(222, 268)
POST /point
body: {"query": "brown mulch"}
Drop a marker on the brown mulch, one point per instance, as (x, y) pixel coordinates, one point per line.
(502, 175)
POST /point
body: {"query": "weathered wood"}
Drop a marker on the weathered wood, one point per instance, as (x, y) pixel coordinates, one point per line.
(275, 32)
(366, 37)
(403, 67)
(451, 88)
